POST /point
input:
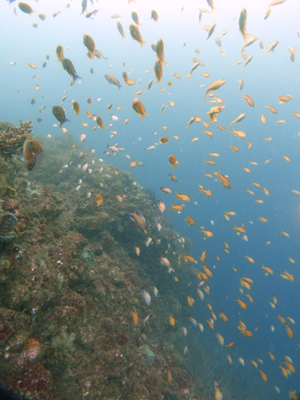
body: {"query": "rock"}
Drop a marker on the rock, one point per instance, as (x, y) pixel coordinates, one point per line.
(11, 204)
(144, 349)
(91, 225)
(88, 256)
(170, 396)
(7, 227)
(32, 191)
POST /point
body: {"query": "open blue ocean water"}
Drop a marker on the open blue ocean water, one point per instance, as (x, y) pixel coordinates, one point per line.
(273, 244)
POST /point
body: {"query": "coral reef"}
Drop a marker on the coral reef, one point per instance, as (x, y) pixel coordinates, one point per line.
(11, 144)
(70, 276)
(12, 138)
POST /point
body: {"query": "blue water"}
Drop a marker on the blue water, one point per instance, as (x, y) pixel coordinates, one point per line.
(265, 77)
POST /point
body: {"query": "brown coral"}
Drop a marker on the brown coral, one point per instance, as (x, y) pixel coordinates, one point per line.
(12, 138)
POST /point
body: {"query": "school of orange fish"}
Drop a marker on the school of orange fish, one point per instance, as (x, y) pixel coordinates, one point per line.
(209, 121)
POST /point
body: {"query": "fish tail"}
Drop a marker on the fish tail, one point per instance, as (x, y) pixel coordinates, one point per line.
(63, 121)
(143, 116)
(75, 77)
(31, 164)
(97, 53)
(143, 42)
(245, 35)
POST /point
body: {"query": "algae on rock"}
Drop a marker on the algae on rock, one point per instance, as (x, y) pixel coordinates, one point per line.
(88, 256)
(7, 227)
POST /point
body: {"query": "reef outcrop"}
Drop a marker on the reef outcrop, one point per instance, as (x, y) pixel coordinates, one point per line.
(70, 274)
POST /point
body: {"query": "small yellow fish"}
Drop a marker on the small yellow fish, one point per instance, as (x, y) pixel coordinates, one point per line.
(136, 35)
(135, 317)
(99, 199)
(191, 301)
(242, 304)
(138, 107)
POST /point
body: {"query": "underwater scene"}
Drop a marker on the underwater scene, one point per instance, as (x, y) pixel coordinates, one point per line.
(149, 200)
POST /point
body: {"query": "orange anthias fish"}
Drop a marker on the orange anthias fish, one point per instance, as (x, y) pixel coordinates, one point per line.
(163, 139)
(135, 317)
(31, 149)
(99, 199)
(191, 259)
(136, 35)
(177, 208)
(138, 218)
(191, 301)
(289, 332)
(242, 304)
(172, 161)
(230, 345)
(190, 221)
(225, 182)
(138, 107)
(182, 197)
(213, 112)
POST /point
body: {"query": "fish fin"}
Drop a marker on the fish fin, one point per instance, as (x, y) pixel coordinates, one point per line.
(30, 165)
(62, 122)
(245, 35)
(143, 116)
(97, 53)
(265, 51)
(143, 42)
(24, 147)
(75, 77)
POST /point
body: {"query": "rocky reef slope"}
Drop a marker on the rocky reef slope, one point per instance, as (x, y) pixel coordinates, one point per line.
(70, 275)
